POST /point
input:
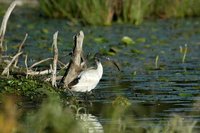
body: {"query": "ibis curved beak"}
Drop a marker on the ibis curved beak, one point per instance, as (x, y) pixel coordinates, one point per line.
(113, 62)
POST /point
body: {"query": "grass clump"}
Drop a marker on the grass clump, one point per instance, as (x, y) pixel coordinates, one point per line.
(93, 12)
(176, 124)
(134, 11)
(52, 117)
(104, 12)
(176, 8)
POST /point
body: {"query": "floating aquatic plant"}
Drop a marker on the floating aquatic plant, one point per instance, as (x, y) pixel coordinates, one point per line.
(156, 61)
(127, 40)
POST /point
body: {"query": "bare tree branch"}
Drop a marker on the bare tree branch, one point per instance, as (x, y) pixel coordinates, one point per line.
(4, 24)
(34, 73)
(26, 64)
(55, 60)
(6, 70)
(20, 48)
(39, 62)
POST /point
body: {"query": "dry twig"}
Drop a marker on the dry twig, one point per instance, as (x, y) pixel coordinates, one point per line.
(6, 70)
(39, 62)
(20, 48)
(34, 73)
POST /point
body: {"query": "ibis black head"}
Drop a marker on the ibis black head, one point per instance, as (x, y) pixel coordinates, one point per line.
(99, 57)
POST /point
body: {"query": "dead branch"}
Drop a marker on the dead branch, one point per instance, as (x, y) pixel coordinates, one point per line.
(39, 62)
(4, 24)
(58, 78)
(74, 66)
(20, 48)
(6, 70)
(47, 59)
(65, 66)
(55, 60)
(62, 65)
(26, 65)
(34, 73)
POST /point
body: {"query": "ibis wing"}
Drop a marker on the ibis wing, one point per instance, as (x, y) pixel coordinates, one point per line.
(86, 79)
(74, 82)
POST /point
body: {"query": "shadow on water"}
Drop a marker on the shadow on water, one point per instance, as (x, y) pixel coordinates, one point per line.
(155, 94)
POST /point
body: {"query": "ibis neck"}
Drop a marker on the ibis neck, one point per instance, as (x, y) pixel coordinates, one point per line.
(100, 69)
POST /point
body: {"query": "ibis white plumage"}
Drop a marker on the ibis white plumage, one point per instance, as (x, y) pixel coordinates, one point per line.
(87, 79)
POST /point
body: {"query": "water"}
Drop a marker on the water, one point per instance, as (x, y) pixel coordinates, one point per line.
(155, 94)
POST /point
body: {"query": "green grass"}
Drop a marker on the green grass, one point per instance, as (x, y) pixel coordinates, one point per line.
(100, 12)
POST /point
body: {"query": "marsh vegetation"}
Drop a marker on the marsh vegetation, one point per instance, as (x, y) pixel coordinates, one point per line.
(98, 12)
(157, 89)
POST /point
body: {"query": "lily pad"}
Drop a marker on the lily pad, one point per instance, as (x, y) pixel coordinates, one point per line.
(45, 31)
(141, 40)
(136, 51)
(114, 49)
(185, 95)
(127, 40)
(100, 40)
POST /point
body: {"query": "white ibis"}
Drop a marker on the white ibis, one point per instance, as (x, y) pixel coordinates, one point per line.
(87, 79)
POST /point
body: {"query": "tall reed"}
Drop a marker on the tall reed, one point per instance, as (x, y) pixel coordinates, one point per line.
(104, 12)
(134, 11)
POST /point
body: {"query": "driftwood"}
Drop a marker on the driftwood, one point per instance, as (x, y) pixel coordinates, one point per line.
(74, 66)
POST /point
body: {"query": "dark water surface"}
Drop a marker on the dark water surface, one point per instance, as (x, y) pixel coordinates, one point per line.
(155, 94)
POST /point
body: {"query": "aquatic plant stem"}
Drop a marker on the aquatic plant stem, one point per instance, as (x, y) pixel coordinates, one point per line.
(185, 53)
(55, 60)
(156, 61)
